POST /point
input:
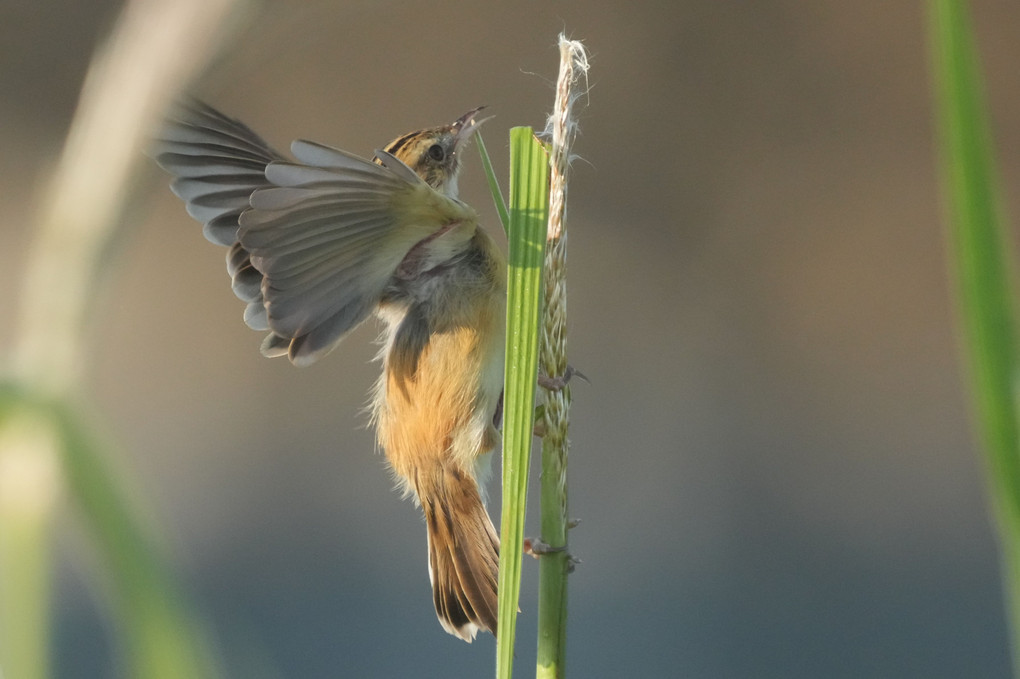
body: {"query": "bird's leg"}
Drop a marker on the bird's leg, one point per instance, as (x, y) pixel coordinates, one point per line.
(534, 547)
(558, 383)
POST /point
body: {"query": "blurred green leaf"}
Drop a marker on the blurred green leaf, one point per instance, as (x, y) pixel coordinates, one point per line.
(162, 634)
(981, 261)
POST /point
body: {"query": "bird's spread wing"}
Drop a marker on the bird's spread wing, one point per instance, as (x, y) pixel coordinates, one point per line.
(314, 243)
(217, 163)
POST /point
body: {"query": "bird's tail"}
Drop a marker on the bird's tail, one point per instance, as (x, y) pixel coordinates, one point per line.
(463, 553)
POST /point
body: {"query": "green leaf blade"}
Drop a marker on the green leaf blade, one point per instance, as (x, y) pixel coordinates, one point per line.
(528, 209)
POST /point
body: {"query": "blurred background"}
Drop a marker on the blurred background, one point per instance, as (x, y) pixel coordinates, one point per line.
(772, 463)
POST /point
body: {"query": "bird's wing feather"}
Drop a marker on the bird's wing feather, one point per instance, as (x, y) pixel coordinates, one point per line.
(328, 237)
(313, 243)
(217, 163)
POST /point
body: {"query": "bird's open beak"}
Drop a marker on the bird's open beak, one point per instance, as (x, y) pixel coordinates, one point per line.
(466, 125)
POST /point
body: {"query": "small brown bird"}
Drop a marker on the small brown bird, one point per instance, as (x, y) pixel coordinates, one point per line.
(317, 246)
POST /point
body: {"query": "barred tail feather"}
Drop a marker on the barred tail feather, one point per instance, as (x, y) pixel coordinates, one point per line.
(463, 556)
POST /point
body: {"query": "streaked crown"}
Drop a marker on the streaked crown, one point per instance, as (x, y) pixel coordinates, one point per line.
(434, 153)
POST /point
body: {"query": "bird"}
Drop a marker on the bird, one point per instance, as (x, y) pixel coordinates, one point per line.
(320, 243)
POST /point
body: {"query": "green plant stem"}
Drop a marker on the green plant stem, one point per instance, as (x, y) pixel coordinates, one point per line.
(981, 252)
(528, 208)
(553, 566)
(556, 563)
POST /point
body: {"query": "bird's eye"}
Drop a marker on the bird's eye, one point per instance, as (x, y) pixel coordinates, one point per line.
(436, 152)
